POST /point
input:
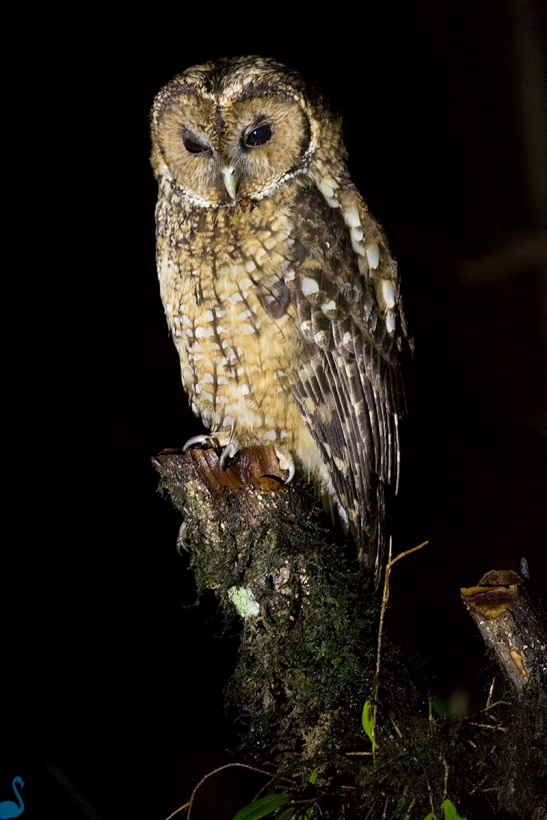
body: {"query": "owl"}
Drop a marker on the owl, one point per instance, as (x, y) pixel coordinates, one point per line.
(278, 285)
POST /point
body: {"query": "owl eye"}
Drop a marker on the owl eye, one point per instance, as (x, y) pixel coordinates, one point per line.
(259, 135)
(195, 145)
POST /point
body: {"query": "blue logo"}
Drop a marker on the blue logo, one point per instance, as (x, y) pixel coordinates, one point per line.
(10, 809)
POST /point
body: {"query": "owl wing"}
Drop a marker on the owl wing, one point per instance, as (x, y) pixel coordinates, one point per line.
(348, 383)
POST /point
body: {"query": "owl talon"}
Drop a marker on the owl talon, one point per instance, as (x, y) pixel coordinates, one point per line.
(286, 463)
(202, 439)
(229, 451)
(181, 543)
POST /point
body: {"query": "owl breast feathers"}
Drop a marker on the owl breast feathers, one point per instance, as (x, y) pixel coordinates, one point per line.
(278, 285)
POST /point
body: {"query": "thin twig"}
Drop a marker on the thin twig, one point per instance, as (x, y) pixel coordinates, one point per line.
(190, 803)
(445, 785)
(431, 801)
(408, 815)
(385, 598)
(359, 754)
(180, 808)
(396, 727)
(488, 726)
(492, 705)
(490, 692)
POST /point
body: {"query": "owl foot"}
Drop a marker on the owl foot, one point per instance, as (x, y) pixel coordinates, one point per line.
(229, 451)
(286, 463)
(203, 439)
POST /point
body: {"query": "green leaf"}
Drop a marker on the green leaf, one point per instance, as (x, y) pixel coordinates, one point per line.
(262, 807)
(313, 776)
(439, 707)
(368, 723)
(450, 811)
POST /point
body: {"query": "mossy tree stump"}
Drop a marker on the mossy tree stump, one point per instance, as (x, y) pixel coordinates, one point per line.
(307, 659)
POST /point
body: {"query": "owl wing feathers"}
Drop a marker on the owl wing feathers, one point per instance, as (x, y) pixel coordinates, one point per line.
(348, 383)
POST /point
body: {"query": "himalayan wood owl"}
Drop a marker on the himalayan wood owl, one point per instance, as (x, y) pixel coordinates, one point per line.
(278, 285)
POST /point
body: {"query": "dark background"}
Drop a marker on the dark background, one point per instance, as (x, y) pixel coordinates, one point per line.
(111, 682)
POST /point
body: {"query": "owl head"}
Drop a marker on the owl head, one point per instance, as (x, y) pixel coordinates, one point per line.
(239, 128)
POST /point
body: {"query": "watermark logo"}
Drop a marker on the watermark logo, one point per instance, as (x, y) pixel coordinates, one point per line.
(8, 808)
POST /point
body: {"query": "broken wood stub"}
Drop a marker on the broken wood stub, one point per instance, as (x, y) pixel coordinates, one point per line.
(510, 627)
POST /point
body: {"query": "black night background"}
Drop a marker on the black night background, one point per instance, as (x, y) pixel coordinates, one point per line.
(110, 678)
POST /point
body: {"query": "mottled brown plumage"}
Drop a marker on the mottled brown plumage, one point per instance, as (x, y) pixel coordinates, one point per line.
(278, 285)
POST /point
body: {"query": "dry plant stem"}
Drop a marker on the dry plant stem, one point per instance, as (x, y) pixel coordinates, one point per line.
(359, 754)
(431, 801)
(408, 815)
(385, 599)
(490, 692)
(488, 726)
(446, 773)
(493, 705)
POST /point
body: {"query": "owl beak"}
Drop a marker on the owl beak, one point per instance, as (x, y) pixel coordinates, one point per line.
(231, 180)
